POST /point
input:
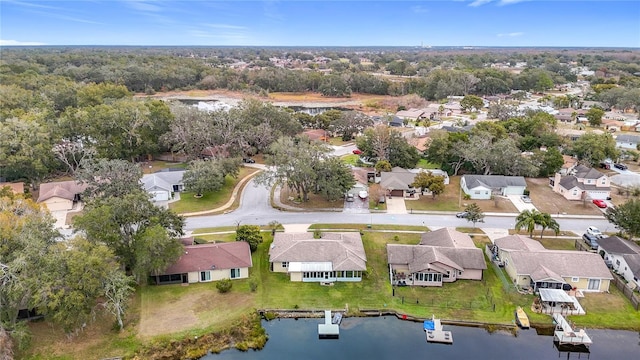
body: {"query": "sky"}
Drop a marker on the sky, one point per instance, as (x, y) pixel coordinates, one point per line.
(557, 23)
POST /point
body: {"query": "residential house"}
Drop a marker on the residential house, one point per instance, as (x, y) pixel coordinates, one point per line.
(531, 266)
(582, 182)
(397, 182)
(316, 134)
(569, 114)
(612, 125)
(61, 195)
(209, 262)
(569, 162)
(411, 114)
(629, 142)
(163, 184)
(396, 122)
(482, 187)
(623, 256)
(15, 188)
(332, 257)
(444, 255)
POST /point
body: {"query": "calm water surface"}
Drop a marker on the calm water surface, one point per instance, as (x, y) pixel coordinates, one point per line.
(390, 338)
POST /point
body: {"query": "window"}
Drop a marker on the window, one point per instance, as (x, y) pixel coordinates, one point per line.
(604, 181)
(477, 192)
(594, 284)
(285, 264)
(575, 279)
(459, 272)
(349, 274)
(205, 276)
(575, 192)
(235, 273)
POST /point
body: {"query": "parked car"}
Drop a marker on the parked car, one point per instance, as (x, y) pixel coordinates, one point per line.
(525, 199)
(591, 240)
(605, 165)
(462, 214)
(349, 198)
(248, 160)
(357, 151)
(592, 230)
(600, 203)
(620, 166)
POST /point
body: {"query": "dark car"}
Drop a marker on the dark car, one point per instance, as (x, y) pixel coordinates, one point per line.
(248, 161)
(462, 214)
(591, 240)
(620, 166)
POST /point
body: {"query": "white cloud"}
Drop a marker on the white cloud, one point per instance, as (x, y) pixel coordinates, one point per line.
(19, 43)
(142, 5)
(512, 34)
(477, 3)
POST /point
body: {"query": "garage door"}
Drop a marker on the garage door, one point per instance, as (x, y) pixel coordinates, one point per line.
(160, 196)
(398, 193)
(598, 195)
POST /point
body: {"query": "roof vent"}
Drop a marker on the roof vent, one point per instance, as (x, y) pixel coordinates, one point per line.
(213, 267)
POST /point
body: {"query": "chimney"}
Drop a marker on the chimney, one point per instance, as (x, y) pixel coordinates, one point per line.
(556, 182)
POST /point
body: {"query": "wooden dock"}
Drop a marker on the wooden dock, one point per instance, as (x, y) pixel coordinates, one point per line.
(564, 334)
(328, 330)
(435, 333)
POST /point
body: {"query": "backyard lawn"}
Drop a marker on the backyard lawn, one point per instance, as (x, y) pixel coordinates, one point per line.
(547, 201)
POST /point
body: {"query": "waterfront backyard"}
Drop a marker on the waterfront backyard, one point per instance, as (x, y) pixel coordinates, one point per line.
(174, 312)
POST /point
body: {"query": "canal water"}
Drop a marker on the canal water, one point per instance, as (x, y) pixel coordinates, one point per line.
(391, 338)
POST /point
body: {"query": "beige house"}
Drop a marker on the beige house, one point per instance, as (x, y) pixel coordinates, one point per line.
(397, 182)
(209, 262)
(62, 195)
(332, 257)
(531, 266)
(582, 182)
(444, 255)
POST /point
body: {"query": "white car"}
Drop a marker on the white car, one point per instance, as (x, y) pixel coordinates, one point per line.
(594, 231)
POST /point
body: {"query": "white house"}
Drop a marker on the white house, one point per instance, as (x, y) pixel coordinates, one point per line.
(629, 142)
(623, 256)
(163, 184)
(482, 187)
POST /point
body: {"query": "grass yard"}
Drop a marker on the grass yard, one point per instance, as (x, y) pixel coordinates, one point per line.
(364, 227)
(610, 310)
(549, 202)
(424, 164)
(315, 201)
(210, 200)
(557, 244)
(214, 238)
(149, 167)
(351, 159)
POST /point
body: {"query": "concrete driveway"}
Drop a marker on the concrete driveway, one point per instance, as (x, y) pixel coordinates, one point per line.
(516, 200)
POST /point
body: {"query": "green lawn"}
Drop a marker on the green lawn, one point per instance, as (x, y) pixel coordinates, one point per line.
(350, 159)
(424, 164)
(210, 200)
(365, 227)
(557, 244)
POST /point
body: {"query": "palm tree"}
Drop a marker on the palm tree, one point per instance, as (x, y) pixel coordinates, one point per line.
(547, 222)
(528, 219)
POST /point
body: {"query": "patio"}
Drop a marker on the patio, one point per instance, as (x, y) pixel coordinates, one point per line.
(556, 301)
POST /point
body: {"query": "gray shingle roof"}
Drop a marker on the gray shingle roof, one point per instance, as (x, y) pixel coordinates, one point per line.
(493, 181)
(633, 261)
(584, 172)
(628, 138)
(616, 245)
(344, 250)
(421, 257)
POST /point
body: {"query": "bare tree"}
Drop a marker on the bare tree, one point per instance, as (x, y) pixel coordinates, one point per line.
(73, 153)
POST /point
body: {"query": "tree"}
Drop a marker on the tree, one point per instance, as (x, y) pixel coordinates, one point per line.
(626, 217)
(471, 102)
(474, 214)
(334, 178)
(547, 222)
(203, 176)
(294, 163)
(594, 115)
(251, 234)
(25, 149)
(502, 111)
(426, 180)
(117, 287)
(528, 219)
(73, 154)
(109, 178)
(144, 237)
(350, 123)
(548, 162)
(224, 285)
(383, 165)
(592, 148)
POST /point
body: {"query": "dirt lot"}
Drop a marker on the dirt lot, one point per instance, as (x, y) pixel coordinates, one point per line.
(547, 201)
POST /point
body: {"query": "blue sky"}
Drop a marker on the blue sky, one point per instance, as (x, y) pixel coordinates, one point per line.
(322, 23)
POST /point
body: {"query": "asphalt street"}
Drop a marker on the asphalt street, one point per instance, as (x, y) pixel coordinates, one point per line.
(255, 209)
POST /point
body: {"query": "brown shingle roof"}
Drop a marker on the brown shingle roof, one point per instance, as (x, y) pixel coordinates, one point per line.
(424, 257)
(16, 188)
(518, 242)
(447, 237)
(565, 263)
(344, 250)
(212, 257)
(63, 189)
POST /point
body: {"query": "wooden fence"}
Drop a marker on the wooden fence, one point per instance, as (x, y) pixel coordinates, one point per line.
(622, 286)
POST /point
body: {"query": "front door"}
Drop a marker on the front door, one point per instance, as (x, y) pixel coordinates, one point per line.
(185, 278)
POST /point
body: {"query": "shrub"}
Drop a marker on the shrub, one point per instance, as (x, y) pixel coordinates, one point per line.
(224, 285)
(253, 285)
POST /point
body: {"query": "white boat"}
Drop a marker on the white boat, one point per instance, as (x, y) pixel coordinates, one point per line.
(363, 194)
